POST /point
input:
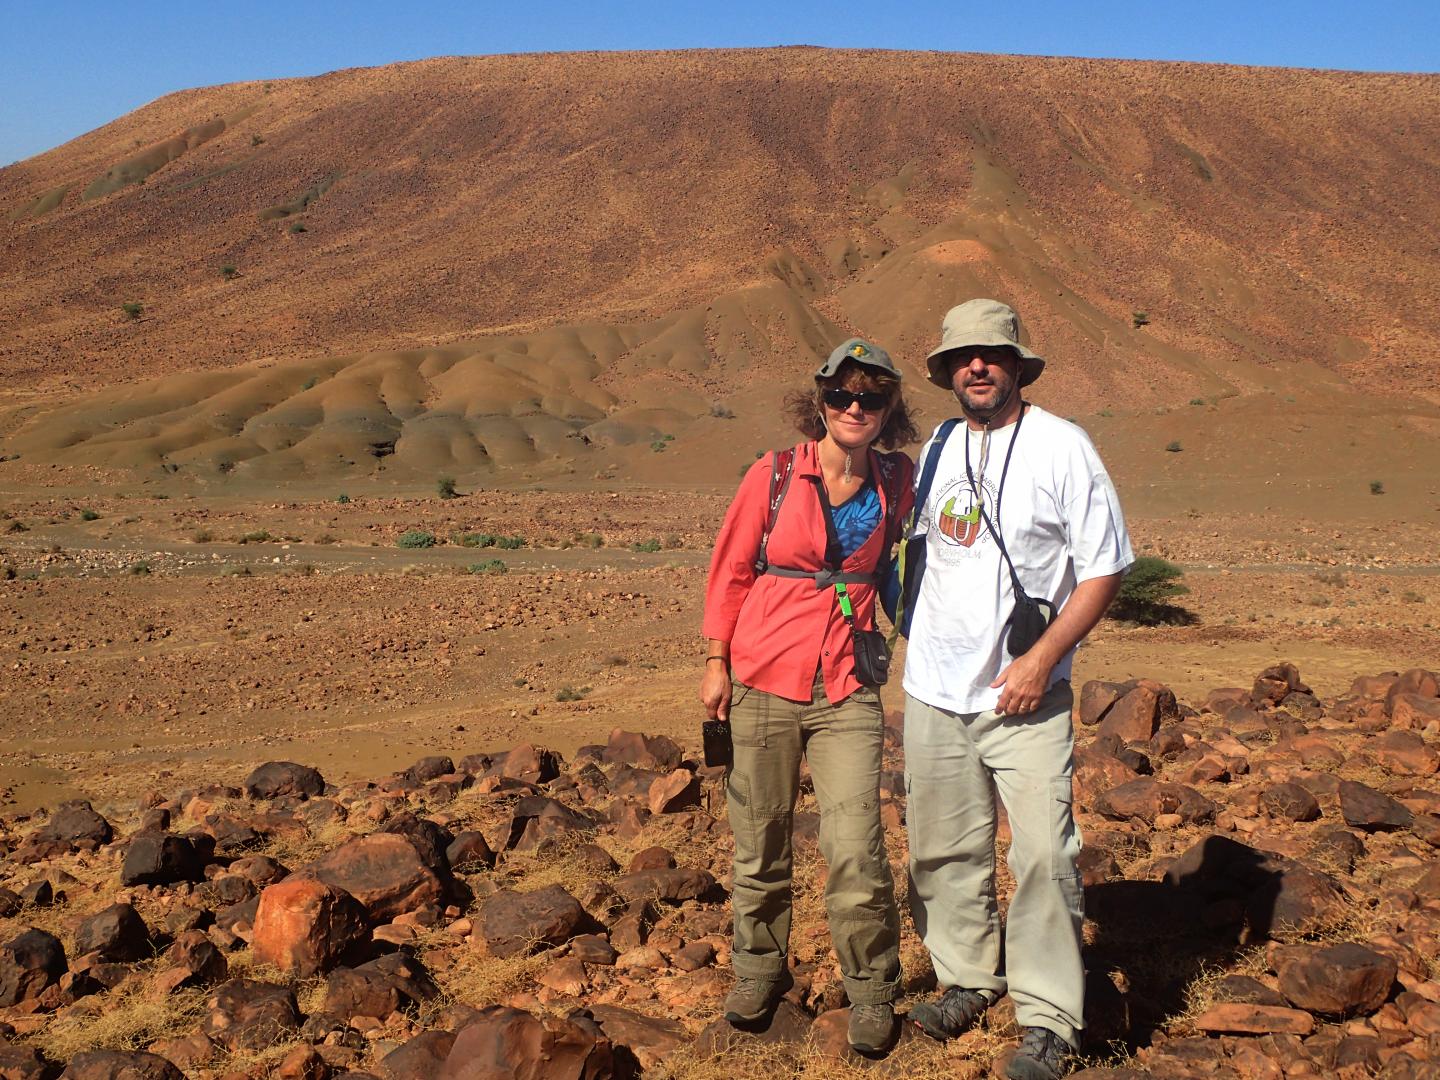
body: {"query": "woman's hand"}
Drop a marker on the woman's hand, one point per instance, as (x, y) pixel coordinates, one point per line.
(715, 690)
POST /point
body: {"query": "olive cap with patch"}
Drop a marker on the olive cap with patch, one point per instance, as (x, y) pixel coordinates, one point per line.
(981, 322)
(860, 351)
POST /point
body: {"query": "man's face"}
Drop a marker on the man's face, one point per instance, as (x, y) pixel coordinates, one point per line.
(983, 376)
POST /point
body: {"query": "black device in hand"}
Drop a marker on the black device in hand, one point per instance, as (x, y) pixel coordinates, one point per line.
(719, 750)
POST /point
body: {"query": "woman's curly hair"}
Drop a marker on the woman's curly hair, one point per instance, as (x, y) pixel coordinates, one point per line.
(806, 411)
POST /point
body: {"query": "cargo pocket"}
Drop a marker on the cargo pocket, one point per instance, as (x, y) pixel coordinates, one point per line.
(748, 715)
(739, 805)
(1064, 836)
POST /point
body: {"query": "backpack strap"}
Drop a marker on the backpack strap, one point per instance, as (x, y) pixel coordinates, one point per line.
(782, 467)
(927, 475)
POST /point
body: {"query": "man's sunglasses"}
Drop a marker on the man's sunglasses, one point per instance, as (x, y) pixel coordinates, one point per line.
(840, 399)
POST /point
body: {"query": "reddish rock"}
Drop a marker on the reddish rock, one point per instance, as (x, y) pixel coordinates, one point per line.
(505, 1042)
(120, 1065)
(1272, 892)
(1147, 799)
(74, 824)
(677, 885)
(593, 949)
(1237, 1018)
(1275, 683)
(1417, 681)
(422, 1057)
(275, 779)
(650, 1038)
(389, 983)
(1290, 802)
(1097, 772)
(197, 959)
(652, 858)
(530, 764)
(1096, 698)
(302, 1063)
(430, 768)
(304, 926)
(1136, 716)
(246, 1014)
(469, 851)
(1414, 712)
(680, 790)
(1404, 753)
(384, 872)
(1372, 687)
(1363, 807)
(1427, 828)
(1337, 980)
(513, 923)
(1225, 698)
(29, 963)
(594, 859)
(642, 751)
(23, 1063)
(565, 976)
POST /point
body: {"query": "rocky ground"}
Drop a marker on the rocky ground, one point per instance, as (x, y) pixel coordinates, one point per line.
(1262, 895)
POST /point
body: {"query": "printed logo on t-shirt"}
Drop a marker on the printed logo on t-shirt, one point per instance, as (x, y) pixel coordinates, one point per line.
(958, 520)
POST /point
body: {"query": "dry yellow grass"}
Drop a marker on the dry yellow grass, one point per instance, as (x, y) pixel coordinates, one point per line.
(129, 1017)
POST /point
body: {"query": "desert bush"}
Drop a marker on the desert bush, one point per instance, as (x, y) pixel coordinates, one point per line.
(570, 693)
(201, 536)
(445, 487)
(672, 541)
(132, 309)
(229, 271)
(342, 498)
(297, 227)
(1174, 447)
(1410, 596)
(590, 540)
(260, 536)
(1139, 319)
(510, 543)
(646, 545)
(1377, 488)
(658, 445)
(235, 570)
(327, 538)
(17, 527)
(721, 411)
(256, 140)
(489, 566)
(415, 538)
(1329, 577)
(89, 515)
(1146, 592)
(140, 568)
(309, 384)
(1197, 401)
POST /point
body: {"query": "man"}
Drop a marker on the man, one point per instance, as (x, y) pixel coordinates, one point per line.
(980, 720)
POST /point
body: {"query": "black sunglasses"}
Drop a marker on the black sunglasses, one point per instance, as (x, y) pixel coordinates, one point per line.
(840, 399)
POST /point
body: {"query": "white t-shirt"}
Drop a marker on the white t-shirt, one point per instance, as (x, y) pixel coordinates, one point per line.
(1061, 521)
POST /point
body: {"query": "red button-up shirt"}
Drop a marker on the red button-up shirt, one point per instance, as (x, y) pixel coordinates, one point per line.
(780, 629)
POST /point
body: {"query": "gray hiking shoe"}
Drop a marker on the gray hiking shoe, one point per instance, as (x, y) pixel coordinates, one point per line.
(951, 1014)
(1043, 1056)
(753, 1000)
(872, 1028)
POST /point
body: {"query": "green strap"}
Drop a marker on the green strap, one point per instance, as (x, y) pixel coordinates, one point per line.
(845, 608)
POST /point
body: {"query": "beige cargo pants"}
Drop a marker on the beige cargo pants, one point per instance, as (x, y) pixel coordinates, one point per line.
(955, 764)
(842, 743)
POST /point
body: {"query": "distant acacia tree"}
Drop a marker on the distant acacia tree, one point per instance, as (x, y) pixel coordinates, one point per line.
(1147, 591)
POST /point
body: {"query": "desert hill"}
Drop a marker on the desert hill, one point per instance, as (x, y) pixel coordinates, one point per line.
(550, 263)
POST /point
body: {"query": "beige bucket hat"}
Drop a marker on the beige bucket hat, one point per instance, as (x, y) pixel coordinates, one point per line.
(981, 322)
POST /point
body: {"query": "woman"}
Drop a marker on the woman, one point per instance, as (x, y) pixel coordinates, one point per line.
(781, 667)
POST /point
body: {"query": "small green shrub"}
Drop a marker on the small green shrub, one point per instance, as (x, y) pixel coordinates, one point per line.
(229, 271)
(646, 545)
(489, 566)
(1197, 401)
(416, 538)
(17, 527)
(201, 536)
(297, 227)
(140, 568)
(89, 515)
(260, 536)
(590, 540)
(1174, 447)
(445, 487)
(235, 570)
(570, 693)
(132, 310)
(309, 384)
(1146, 592)
(256, 140)
(342, 498)
(1139, 319)
(721, 411)
(658, 445)
(1377, 488)
(510, 543)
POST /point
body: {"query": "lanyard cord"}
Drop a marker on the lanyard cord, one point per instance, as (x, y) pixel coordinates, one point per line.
(979, 492)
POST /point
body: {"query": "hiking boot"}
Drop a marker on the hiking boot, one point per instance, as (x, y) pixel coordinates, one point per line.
(872, 1028)
(1043, 1056)
(951, 1014)
(753, 1000)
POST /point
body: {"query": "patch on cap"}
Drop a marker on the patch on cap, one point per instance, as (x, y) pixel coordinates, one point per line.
(859, 350)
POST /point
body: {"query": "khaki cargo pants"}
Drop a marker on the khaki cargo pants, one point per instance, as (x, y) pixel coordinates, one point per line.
(842, 743)
(955, 765)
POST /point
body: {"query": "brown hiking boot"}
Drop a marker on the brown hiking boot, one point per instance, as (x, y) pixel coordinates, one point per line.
(754, 1000)
(872, 1028)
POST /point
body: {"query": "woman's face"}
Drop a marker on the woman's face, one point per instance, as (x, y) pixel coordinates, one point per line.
(849, 423)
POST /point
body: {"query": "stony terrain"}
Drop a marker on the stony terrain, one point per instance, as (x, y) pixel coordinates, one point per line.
(1262, 896)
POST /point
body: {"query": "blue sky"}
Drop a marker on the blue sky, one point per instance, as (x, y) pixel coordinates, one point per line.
(67, 66)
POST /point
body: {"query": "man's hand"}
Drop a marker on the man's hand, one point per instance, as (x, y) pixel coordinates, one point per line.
(715, 691)
(1026, 678)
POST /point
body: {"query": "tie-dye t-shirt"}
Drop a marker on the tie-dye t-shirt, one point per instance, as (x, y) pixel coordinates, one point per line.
(856, 518)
